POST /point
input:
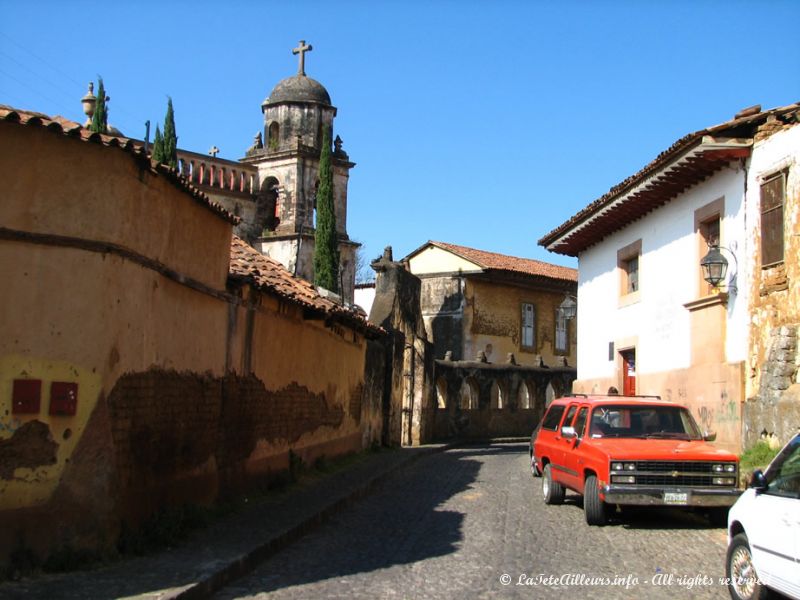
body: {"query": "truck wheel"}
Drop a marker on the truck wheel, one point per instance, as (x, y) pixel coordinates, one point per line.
(534, 469)
(552, 491)
(594, 509)
(742, 578)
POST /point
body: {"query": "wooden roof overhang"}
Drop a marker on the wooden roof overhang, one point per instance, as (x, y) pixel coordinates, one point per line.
(634, 199)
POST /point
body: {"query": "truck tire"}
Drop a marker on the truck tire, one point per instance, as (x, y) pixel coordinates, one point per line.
(552, 491)
(594, 509)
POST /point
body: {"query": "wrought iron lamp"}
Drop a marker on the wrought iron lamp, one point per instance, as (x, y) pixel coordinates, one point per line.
(715, 267)
(568, 307)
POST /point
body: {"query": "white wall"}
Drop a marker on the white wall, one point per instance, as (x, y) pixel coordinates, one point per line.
(436, 260)
(668, 278)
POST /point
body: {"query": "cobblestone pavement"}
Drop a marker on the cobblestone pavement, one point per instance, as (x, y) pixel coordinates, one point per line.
(455, 524)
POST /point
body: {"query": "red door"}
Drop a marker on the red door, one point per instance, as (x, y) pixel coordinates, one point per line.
(629, 372)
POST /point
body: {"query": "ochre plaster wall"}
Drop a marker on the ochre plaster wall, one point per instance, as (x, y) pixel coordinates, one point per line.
(492, 323)
(169, 408)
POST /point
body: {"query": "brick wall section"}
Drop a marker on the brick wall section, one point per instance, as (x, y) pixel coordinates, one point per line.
(165, 425)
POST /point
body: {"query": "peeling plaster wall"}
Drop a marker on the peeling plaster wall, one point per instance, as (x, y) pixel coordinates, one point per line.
(492, 323)
(772, 386)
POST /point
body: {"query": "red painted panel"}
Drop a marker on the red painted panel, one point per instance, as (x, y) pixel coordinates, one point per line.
(26, 397)
(63, 398)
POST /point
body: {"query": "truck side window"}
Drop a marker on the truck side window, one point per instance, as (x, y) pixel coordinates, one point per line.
(570, 414)
(580, 421)
(553, 417)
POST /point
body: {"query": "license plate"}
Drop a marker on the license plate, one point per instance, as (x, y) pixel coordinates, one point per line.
(676, 497)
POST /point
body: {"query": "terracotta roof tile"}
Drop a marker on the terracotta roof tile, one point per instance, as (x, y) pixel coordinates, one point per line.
(63, 126)
(269, 275)
(739, 126)
(502, 262)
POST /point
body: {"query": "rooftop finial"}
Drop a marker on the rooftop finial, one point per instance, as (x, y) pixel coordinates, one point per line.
(301, 50)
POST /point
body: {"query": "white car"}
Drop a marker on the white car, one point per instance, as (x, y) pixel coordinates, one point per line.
(764, 531)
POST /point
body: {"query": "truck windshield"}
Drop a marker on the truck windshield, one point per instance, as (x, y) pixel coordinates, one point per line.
(668, 422)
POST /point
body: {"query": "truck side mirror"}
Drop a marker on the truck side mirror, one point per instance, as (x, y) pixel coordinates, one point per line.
(709, 436)
(568, 432)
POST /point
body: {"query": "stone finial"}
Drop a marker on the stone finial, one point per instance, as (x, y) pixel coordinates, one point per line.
(511, 359)
(562, 361)
(89, 101)
(448, 356)
(380, 264)
(258, 141)
(481, 357)
(337, 144)
(538, 361)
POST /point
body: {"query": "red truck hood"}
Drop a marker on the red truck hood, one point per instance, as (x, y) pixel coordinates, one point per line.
(654, 449)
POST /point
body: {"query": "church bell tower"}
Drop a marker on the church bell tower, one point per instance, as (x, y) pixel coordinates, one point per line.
(287, 157)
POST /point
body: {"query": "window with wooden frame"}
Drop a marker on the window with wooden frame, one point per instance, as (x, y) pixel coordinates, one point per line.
(708, 228)
(628, 263)
(562, 334)
(773, 192)
(528, 327)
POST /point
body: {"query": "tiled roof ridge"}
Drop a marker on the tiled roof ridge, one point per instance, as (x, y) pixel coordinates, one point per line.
(659, 161)
(269, 275)
(506, 262)
(59, 124)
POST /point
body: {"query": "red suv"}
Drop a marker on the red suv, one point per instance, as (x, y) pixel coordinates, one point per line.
(632, 450)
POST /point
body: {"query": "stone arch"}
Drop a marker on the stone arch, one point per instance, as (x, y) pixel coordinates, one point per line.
(273, 135)
(441, 393)
(524, 395)
(497, 395)
(267, 209)
(469, 394)
(549, 394)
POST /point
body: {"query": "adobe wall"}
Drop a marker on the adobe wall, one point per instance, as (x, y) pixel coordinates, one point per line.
(184, 389)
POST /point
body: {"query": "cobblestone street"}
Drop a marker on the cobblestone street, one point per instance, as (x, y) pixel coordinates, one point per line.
(462, 523)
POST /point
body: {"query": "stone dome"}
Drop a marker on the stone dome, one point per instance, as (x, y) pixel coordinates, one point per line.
(299, 89)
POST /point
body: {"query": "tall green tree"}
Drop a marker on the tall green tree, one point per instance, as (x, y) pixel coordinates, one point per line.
(158, 147)
(99, 122)
(170, 137)
(326, 250)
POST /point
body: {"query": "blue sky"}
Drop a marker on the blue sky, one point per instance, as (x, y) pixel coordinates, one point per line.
(485, 124)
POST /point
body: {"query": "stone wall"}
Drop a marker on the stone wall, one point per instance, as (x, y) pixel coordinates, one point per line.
(775, 410)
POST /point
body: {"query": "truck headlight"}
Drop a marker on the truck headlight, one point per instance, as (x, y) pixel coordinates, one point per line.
(723, 480)
(620, 466)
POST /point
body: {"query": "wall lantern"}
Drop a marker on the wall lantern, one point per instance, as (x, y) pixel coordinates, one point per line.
(715, 267)
(569, 307)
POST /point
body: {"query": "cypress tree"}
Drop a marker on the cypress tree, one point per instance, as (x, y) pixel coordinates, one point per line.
(170, 137)
(326, 250)
(100, 117)
(158, 147)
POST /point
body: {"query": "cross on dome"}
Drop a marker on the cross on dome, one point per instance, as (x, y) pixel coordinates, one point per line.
(301, 50)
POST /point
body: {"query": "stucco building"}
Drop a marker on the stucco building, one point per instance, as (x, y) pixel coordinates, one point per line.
(474, 301)
(648, 321)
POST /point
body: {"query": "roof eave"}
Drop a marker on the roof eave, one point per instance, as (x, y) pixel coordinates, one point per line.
(699, 160)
